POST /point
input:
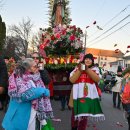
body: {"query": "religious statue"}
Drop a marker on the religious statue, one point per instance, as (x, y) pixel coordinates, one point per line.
(58, 12)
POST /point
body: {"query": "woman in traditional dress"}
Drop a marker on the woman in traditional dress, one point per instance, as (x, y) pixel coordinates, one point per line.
(28, 98)
(84, 97)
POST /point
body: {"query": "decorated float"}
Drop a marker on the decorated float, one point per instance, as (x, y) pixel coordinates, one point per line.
(61, 47)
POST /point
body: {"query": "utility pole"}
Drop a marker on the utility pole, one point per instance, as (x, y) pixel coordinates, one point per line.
(85, 40)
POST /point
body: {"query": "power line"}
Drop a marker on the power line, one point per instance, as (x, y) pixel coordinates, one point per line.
(112, 19)
(109, 34)
(116, 15)
(111, 28)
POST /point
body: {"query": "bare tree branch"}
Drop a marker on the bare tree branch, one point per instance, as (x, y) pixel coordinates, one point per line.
(23, 31)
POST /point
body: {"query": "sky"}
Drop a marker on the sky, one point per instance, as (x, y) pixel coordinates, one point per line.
(83, 14)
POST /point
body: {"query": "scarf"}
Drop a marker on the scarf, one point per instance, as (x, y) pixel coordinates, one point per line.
(19, 85)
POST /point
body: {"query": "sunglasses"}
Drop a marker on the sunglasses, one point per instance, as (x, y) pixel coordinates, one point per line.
(36, 58)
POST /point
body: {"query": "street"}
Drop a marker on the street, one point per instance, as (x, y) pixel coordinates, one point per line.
(114, 117)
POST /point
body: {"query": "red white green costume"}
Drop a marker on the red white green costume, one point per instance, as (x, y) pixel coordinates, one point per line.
(85, 97)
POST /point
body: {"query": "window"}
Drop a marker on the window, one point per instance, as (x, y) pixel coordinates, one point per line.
(101, 63)
(105, 58)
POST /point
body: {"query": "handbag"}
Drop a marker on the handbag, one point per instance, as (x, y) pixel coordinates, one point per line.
(48, 126)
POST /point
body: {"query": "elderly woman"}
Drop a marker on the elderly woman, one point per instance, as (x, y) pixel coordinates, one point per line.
(84, 98)
(28, 98)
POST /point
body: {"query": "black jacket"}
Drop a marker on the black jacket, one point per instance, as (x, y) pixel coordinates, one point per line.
(45, 76)
(3, 74)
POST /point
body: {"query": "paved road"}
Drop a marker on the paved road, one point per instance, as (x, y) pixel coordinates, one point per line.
(112, 115)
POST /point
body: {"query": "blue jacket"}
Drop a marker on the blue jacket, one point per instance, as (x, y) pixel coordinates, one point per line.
(18, 113)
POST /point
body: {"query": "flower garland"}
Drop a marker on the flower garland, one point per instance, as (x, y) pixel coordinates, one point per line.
(11, 66)
(60, 63)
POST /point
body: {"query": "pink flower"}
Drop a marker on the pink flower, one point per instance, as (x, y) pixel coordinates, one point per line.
(57, 36)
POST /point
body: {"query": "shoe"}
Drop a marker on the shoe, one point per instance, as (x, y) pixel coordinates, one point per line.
(114, 106)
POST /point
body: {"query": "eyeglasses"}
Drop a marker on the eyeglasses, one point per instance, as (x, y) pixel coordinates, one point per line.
(36, 58)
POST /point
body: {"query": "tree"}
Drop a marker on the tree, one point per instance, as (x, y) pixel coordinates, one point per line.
(1, 3)
(36, 41)
(9, 47)
(2, 34)
(13, 47)
(22, 34)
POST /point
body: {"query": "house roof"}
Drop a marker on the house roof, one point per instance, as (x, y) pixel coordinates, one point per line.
(101, 52)
(127, 57)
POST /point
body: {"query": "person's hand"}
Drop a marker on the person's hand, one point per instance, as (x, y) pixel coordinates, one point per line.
(46, 92)
(80, 68)
(86, 67)
(41, 66)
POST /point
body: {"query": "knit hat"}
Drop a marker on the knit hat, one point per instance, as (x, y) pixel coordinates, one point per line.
(89, 56)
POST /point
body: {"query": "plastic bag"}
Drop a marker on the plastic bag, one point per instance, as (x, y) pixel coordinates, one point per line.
(48, 126)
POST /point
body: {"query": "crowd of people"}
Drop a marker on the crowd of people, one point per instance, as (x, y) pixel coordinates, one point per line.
(25, 91)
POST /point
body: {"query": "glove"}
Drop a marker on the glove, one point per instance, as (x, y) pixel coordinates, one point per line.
(46, 92)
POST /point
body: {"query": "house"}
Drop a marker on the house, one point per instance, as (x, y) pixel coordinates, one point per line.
(108, 59)
(127, 61)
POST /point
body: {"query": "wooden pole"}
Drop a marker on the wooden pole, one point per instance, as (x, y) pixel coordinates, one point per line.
(85, 41)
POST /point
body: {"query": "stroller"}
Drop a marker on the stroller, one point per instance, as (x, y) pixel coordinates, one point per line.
(109, 84)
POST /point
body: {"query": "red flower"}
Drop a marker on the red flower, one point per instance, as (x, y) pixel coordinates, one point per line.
(117, 50)
(47, 41)
(72, 38)
(47, 60)
(78, 39)
(52, 37)
(128, 46)
(64, 32)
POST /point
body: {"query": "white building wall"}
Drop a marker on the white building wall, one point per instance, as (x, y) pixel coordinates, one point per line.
(107, 60)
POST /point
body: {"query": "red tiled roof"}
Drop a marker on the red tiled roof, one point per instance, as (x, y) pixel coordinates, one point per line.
(101, 52)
